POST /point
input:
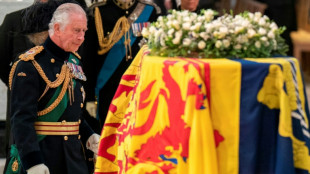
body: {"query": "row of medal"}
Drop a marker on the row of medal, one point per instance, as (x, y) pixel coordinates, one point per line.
(138, 27)
(77, 71)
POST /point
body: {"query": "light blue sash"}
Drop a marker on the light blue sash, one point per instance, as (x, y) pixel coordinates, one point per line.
(116, 55)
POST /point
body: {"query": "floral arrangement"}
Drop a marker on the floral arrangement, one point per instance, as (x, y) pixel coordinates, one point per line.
(188, 34)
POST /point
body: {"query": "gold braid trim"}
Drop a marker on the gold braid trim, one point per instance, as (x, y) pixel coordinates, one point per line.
(12, 73)
(55, 83)
(68, 77)
(76, 54)
(29, 55)
(121, 27)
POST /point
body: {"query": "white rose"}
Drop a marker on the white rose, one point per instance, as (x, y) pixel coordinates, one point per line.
(204, 36)
(186, 41)
(186, 26)
(226, 43)
(177, 38)
(201, 44)
(262, 21)
(238, 46)
(218, 44)
(251, 33)
(271, 35)
(145, 32)
(170, 32)
(209, 14)
(264, 38)
(262, 31)
(186, 19)
(176, 24)
(152, 30)
(238, 29)
(257, 44)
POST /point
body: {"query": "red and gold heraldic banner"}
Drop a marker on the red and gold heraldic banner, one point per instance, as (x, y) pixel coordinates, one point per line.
(207, 116)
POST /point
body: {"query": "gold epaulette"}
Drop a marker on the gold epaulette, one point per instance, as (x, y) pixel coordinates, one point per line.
(29, 55)
(97, 3)
(151, 3)
(76, 55)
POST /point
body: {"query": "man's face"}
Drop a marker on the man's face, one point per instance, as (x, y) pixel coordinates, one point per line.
(72, 36)
(190, 5)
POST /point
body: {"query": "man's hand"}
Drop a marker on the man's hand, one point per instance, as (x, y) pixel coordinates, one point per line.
(92, 143)
(38, 169)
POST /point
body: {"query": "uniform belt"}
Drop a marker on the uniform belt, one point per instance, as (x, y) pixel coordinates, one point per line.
(57, 128)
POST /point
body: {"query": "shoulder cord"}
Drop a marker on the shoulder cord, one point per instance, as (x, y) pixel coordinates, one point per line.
(121, 27)
(64, 78)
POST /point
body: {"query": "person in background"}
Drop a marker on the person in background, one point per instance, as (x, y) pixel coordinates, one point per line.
(47, 100)
(190, 5)
(111, 43)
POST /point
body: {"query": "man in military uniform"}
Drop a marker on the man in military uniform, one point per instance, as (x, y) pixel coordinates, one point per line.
(111, 43)
(20, 31)
(47, 100)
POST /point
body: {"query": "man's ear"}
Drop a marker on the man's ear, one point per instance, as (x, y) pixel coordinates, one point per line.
(56, 28)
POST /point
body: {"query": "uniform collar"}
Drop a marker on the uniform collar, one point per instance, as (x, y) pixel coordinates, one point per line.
(55, 50)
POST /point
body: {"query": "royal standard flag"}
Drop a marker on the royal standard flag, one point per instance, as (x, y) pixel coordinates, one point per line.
(176, 115)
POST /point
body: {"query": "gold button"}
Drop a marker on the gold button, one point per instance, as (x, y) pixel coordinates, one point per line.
(52, 60)
(63, 121)
(108, 32)
(65, 138)
(82, 105)
(57, 75)
(79, 137)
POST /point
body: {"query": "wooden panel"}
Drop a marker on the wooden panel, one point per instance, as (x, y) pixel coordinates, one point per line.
(303, 14)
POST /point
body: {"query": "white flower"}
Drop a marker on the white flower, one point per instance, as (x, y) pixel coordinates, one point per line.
(218, 44)
(271, 35)
(257, 44)
(145, 32)
(238, 46)
(201, 44)
(177, 38)
(251, 33)
(264, 39)
(226, 43)
(262, 21)
(209, 15)
(170, 32)
(262, 31)
(176, 24)
(238, 29)
(204, 35)
(186, 41)
(186, 26)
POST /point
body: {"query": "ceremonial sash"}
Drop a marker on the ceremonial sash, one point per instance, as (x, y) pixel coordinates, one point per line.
(116, 55)
(56, 113)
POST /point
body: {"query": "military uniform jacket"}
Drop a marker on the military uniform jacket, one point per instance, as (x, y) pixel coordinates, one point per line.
(61, 154)
(93, 62)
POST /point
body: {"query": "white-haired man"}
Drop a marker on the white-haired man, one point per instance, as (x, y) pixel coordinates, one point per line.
(47, 98)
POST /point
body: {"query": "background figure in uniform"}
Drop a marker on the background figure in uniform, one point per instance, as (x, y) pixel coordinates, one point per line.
(111, 42)
(283, 13)
(47, 99)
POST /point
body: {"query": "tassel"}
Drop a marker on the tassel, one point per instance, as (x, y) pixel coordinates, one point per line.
(14, 164)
